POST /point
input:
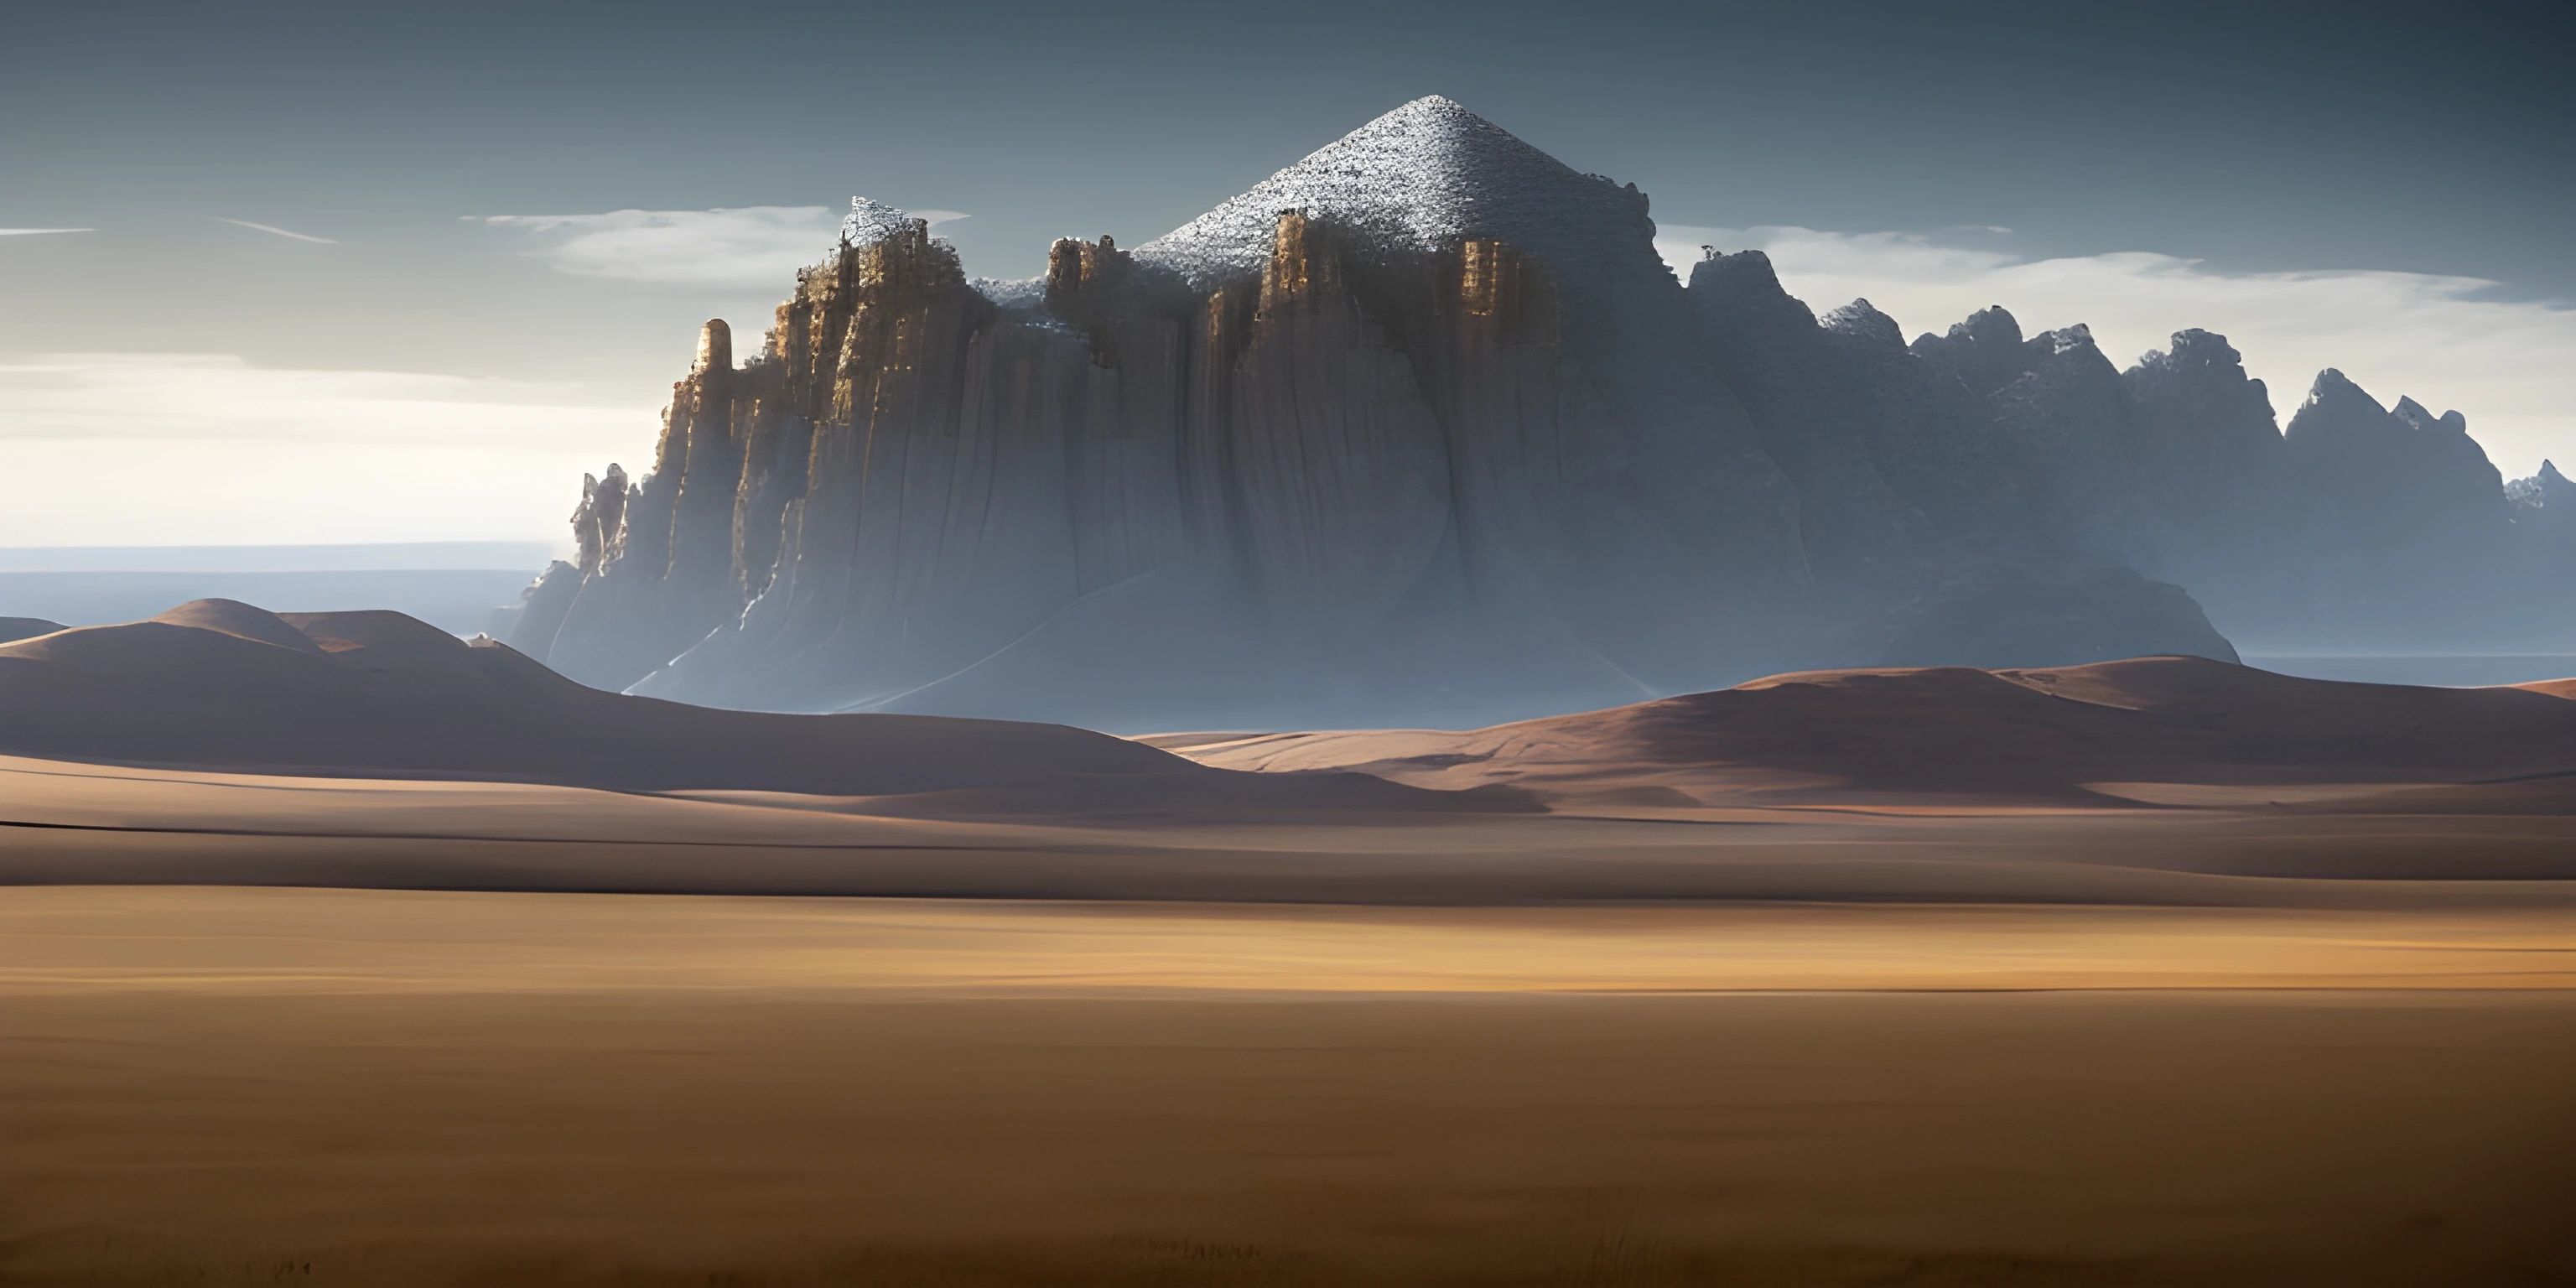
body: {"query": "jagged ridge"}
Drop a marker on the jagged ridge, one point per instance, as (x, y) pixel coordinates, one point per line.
(1421, 428)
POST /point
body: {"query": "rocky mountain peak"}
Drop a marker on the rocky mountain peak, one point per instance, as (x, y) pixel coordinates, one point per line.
(1421, 177)
(1745, 272)
(2339, 412)
(1991, 325)
(2546, 499)
(2063, 341)
(2211, 445)
(2194, 347)
(2201, 371)
(1861, 320)
(870, 222)
(1985, 352)
(2415, 414)
(2197, 360)
(2335, 395)
(2402, 475)
(1988, 331)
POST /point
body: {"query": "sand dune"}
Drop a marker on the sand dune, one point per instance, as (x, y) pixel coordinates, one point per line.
(13, 629)
(223, 684)
(1955, 732)
(223, 744)
(2158, 972)
(377, 694)
(2554, 688)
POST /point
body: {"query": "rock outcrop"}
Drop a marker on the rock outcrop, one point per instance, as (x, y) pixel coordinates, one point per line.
(1368, 456)
(1421, 429)
(2544, 502)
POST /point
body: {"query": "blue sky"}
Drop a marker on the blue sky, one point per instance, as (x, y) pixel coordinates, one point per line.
(415, 266)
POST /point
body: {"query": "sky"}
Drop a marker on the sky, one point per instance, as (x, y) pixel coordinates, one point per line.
(373, 272)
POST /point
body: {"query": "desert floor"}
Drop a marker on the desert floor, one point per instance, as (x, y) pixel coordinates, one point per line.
(259, 1086)
(547, 1036)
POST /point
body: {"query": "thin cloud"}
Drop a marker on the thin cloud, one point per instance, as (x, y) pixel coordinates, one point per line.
(282, 232)
(748, 246)
(125, 448)
(39, 232)
(99, 396)
(2442, 339)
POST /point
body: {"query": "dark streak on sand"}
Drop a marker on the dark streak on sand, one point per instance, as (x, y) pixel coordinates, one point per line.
(466, 838)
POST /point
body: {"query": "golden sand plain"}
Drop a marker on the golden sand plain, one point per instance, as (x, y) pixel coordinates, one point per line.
(258, 1086)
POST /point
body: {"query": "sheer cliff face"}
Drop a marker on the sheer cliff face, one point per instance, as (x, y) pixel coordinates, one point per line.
(1376, 463)
(1420, 429)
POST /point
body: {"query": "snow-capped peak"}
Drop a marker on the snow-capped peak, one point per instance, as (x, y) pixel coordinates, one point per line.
(870, 222)
(1423, 175)
(2068, 339)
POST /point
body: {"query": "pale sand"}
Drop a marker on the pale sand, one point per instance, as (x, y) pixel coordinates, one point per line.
(220, 941)
(230, 1086)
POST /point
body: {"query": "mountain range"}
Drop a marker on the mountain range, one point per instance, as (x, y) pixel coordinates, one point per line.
(1422, 430)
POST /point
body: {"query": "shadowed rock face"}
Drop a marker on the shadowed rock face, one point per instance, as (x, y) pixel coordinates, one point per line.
(1985, 353)
(1418, 429)
(2406, 518)
(2403, 474)
(2044, 617)
(1806, 390)
(2210, 445)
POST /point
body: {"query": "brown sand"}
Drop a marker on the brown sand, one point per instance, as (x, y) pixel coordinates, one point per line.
(358, 1087)
(220, 684)
(2345, 847)
(2186, 975)
(1913, 735)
